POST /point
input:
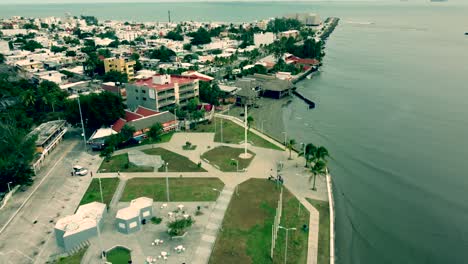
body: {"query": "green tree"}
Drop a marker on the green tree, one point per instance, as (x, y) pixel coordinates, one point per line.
(98, 110)
(174, 35)
(155, 132)
(31, 45)
(105, 52)
(319, 168)
(16, 154)
(290, 146)
(2, 58)
(283, 24)
(250, 121)
(57, 49)
(200, 37)
(209, 93)
(115, 76)
(187, 46)
(70, 53)
(127, 132)
(163, 54)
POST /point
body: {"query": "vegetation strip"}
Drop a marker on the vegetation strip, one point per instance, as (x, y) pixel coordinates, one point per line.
(247, 226)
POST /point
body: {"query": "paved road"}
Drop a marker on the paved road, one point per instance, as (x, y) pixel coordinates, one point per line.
(57, 194)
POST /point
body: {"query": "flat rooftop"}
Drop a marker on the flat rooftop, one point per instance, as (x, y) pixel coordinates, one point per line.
(45, 130)
(85, 218)
(174, 79)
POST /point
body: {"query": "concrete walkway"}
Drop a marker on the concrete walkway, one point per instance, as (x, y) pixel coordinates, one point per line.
(296, 179)
(203, 252)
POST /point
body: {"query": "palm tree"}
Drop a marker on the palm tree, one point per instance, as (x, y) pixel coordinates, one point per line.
(321, 153)
(290, 145)
(28, 98)
(319, 168)
(309, 153)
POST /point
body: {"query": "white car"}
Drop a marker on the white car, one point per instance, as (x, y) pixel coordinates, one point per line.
(79, 171)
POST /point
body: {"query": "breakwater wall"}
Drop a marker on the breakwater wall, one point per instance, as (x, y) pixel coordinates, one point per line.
(309, 102)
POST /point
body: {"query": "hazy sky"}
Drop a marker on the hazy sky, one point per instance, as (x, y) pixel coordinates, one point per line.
(101, 1)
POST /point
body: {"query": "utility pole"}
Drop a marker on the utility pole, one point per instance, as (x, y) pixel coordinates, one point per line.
(245, 128)
(99, 236)
(100, 189)
(82, 124)
(167, 182)
(169, 15)
(286, 245)
(222, 130)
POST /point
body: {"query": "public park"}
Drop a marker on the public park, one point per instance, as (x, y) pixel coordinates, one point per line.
(204, 196)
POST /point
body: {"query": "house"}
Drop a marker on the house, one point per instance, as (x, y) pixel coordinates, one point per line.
(49, 135)
(72, 230)
(263, 38)
(199, 76)
(130, 219)
(143, 118)
(120, 65)
(305, 64)
(162, 91)
(288, 34)
(114, 88)
(98, 138)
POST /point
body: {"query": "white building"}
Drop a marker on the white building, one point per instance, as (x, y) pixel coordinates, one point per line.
(308, 19)
(264, 38)
(72, 230)
(4, 47)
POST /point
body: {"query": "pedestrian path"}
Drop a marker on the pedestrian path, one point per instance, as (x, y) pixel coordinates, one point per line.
(208, 238)
(118, 193)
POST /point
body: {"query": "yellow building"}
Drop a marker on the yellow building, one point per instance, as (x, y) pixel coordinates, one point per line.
(120, 65)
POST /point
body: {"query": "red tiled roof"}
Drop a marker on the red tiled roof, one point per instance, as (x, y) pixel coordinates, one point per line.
(174, 79)
(207, 107)
(117, 126)
(145, 111)
(303, 61)
(130, 116)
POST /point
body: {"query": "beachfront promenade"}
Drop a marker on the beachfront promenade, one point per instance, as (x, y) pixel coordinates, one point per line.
(294, 174)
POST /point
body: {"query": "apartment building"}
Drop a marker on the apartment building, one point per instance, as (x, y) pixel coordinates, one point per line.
(162, 91)
(120, 65)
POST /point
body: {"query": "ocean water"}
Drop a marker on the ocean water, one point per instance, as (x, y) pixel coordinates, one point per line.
(392, 108)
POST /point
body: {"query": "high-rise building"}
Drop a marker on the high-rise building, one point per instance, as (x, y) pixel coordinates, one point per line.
(120, 65)
(162, 91)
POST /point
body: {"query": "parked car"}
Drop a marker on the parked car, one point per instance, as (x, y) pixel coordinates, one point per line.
(79, 171)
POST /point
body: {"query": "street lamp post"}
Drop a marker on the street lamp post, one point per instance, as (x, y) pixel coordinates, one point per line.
(82, 124)
(98, 217)
(167, 182)
(285, 137)
(100, 189)
(221, 130)
(237, 174)
(9, 188)
(245, 128)
(286, 246)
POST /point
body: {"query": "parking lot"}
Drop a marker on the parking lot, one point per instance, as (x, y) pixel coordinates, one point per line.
(29, 237)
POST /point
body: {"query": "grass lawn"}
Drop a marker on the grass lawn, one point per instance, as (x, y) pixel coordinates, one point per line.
(120, 163)
(73, 259)
(233, 133)
(324, 230)
(246, 229)
(180, 189)
(177, 163)
(93, 194)
(118, 255)
(222, 157)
